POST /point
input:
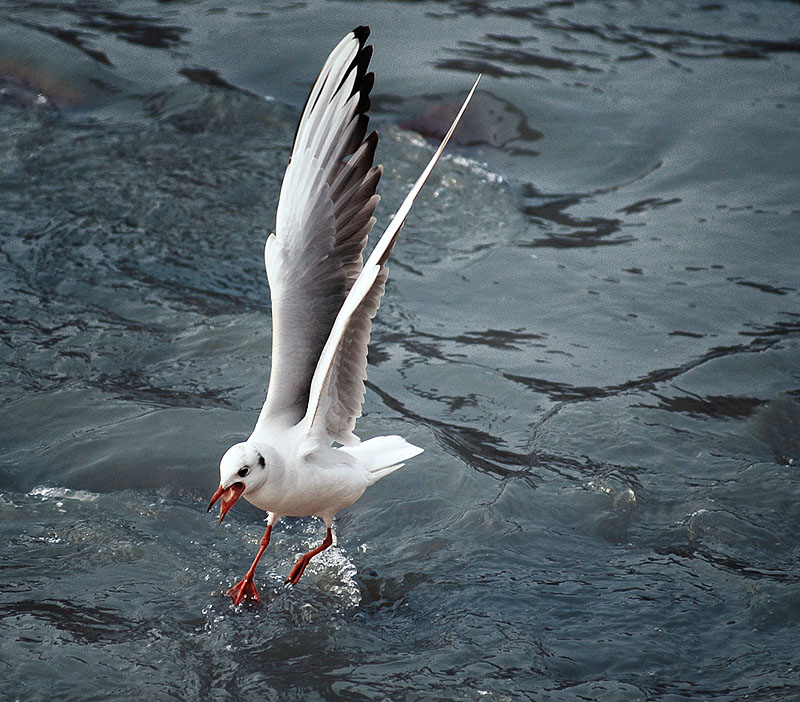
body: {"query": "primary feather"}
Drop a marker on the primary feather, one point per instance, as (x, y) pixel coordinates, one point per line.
(323, 220)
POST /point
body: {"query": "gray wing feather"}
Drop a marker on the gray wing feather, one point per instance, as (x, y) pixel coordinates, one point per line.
(340, 405)
(324, 217)
(337, 389)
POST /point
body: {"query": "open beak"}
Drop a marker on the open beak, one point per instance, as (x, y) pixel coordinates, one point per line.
(229, 496)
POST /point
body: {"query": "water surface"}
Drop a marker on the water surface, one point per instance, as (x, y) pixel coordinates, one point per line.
(591, 324)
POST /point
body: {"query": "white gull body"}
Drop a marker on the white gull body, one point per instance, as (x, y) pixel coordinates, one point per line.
(323, 300)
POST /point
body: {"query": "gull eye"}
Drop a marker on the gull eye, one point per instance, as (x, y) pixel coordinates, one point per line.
(243, 471)
(261, 461)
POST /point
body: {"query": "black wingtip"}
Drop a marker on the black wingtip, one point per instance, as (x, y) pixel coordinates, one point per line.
(364, 81)
(361, 33)
(363, 87)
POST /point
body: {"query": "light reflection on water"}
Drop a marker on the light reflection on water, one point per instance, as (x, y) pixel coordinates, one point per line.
(591, 326)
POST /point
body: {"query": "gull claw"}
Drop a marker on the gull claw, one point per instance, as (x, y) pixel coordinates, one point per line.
(298, 570)
(245, 589)
(300, 566)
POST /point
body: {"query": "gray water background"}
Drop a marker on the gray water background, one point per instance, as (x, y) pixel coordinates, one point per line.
(591, 325)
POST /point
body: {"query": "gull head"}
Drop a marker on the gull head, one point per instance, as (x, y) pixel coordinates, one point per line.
(243, 468)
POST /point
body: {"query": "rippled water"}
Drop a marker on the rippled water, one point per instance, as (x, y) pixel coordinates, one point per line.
(592, 326)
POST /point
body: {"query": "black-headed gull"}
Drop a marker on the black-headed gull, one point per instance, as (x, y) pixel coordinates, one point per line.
(323, 302)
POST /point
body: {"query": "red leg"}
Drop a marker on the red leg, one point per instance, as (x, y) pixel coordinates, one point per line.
(245, 589)
(300, 566)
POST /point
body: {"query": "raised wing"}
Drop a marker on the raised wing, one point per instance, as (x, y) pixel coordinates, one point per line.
(337, 389)
(324, 217)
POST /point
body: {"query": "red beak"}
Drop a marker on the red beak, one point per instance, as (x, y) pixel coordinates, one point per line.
(229, 496)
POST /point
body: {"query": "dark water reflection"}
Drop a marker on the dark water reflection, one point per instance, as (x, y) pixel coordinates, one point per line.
(592, 325)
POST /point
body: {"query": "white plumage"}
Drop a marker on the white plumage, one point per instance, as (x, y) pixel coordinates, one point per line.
(323, 300)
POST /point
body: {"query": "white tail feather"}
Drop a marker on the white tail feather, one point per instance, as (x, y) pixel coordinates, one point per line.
(383, 454)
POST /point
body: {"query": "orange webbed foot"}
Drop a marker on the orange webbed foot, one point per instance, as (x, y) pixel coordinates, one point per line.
(245, 589)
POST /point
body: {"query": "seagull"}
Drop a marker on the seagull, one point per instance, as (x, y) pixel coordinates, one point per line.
(323, 300)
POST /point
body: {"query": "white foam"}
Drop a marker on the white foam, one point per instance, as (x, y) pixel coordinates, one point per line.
(62, 493)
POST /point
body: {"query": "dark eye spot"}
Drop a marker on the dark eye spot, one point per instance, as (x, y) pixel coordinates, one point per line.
(261, 461)
(243, 471)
